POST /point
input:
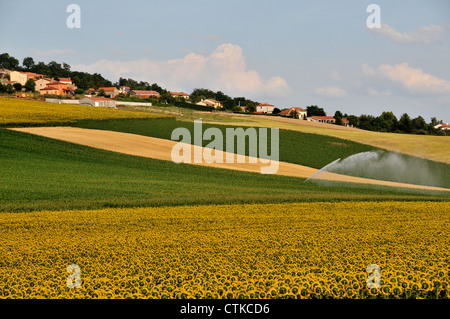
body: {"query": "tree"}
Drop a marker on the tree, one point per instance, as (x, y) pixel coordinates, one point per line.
(314, 110)
(8, 62)
(434, 121)
(101, 92)
(236, 108)
(337, 115)
(405, 123)
(221, 97)
(30, 85)
(419, 123)
(28, 63)
(379, 124)
(167, 98)
(353, 120)
(229, 103)
(276, 111)
(17, 87)
(66, 67)
(365, 122)
(338, 121)
(390, 120)
(9, 88)
(251, 107)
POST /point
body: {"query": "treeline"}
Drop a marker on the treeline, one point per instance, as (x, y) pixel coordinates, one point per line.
(386, 122)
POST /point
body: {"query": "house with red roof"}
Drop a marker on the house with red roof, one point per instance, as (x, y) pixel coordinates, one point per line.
(264, 108)
(98, 101)
(110, 91)
(298, 111)
(211, 103)
(124, 90)
(56, 88)
(442, 126)
(180, 94)
(145, 94)
(41, 83)
(322, 119)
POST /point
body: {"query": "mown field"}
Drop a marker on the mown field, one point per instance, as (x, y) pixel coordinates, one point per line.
(308, 250)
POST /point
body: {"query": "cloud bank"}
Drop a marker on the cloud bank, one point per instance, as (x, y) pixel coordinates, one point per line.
(330, 92)
(413, 80)
(425, 34)
(224, 69)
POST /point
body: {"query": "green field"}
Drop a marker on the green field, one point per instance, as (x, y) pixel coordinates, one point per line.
(313, 150)
(38, 173)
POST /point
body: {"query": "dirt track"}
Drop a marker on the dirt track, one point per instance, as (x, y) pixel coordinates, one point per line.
(161, 149)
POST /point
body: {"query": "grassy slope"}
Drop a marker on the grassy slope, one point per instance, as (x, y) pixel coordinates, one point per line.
(436, 148)
(39, 173)
(307, 149)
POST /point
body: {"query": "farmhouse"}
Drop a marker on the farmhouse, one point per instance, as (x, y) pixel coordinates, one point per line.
(56, 88)
(298, 111)
(124, 89)
(264, 108)
(322, 119)
(65, 80)
(98, 101)
(442, 126)
(145, 94)
(34, 76)
(17, 76)
(180, 94)
(210, 102)
(41, 84)
(109, 91)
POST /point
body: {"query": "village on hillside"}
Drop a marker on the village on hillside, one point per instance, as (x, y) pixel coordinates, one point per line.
(63, 90)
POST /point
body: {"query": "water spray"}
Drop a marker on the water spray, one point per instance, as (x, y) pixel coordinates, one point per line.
(322, 169)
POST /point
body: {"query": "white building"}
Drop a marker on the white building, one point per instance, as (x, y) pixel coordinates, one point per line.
(98, 101)
(265, 108)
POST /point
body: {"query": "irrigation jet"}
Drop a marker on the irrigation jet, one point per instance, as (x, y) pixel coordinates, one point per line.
(322, 169)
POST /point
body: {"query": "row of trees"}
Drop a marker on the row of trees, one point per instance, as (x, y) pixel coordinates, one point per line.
(388, 122)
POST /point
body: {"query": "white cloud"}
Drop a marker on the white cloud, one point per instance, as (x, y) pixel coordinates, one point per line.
(426, 34)
(374, 92)
(413, 80)
(335, 75)
(224, 69)
(330, 92)
(367, 70)
(54, 52)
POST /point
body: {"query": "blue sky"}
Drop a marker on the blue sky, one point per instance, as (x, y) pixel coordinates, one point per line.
(287, 53)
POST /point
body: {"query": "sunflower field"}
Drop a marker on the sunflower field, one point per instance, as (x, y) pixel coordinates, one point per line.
(296, 250)
(14, 111)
